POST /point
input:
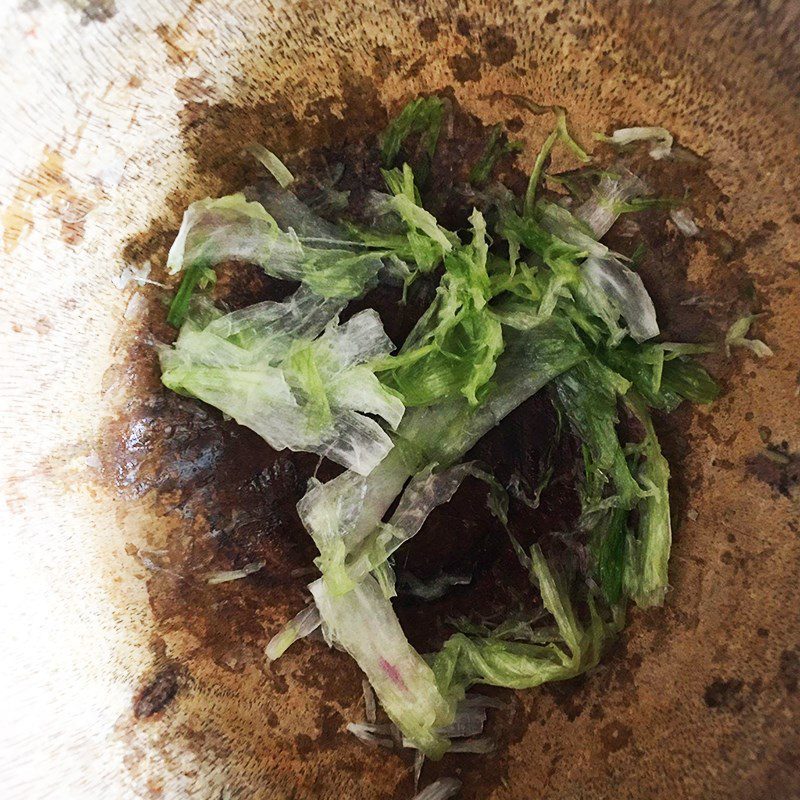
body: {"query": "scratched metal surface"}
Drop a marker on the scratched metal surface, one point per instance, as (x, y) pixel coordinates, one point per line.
(115, 115)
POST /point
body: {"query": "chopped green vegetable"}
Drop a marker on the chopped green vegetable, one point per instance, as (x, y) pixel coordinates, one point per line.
(422, 116)
(647, 557)
(495, 149)
(737, 337)
(613, 196)
(277, 168)
(425, 491)
(304, 623)
(661, 373)
(233, 229)
(588, 394)
(425, 243)
(293, 375)
(200, 275)
(406, 203)
(363, 622)
(454, 347)
(465, 661)
(661, 138)
(531, 360)
(343, 512)
(610, 539)
(560, 134)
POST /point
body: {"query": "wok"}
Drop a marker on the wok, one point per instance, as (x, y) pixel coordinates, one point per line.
(116, 114)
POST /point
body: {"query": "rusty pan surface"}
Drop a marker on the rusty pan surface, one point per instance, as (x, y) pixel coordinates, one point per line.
(130, 681)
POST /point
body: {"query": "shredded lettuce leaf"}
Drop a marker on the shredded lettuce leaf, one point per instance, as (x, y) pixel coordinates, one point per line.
(198, 275)
(600, 286)
(737, 337)
(422, 116)
(607, 288)
(292, 374)
(560, 134)
(424, 492)
(661, 373)
(276, 167)
(684, 222)
(412, 235)
(232, 228)
(301, 625)
(610, 284)
(588, 394)
(454, 347)
(466, 661)
(495, 149)
(608, 200)
(609, 542)
(647, 557)
(228, 575)
(364, 624)
(660, 137)
(531, 360)
(341, 514)
(528, 298)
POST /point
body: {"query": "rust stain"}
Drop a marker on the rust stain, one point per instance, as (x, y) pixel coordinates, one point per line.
(428, 29)
(466, 66)
(177, 50)
(725, 694)
(47, 182)
(615, 736)
(158, 692)
(778, 467)
(499, 47)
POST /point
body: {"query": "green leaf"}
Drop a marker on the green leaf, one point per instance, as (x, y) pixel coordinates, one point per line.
(647, 559)
(341, 514)
(425, 242)
(661, 373)
(588, 395)
(560, 133)
(276, 167)
(465, 661)
(687, 379)
(737, 337)
(230, 228)
(495, 149)
(422, 116)
(530, 360)
(609, 547)
(661, 138)
(198, 273)
(455, 345)
(363, 623)
(292, 374)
